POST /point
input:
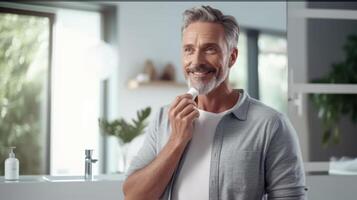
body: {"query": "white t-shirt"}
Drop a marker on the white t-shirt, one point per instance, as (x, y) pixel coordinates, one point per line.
(193, 180)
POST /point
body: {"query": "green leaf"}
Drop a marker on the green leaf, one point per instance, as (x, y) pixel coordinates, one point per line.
(326, 138)
(336, 135)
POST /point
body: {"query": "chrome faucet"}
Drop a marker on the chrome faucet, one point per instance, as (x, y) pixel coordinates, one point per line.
(88, 175)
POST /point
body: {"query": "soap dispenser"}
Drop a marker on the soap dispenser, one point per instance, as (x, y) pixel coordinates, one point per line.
(12, 166)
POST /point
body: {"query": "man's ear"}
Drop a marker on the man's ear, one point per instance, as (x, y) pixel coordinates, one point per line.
(233, 57)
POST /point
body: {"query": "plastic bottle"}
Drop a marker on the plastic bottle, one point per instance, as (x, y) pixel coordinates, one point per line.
(12, 166)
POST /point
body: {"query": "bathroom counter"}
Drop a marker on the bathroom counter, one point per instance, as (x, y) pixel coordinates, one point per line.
(321, 186)
(62, 187)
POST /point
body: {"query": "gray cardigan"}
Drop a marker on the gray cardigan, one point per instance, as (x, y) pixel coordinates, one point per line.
(255, 154)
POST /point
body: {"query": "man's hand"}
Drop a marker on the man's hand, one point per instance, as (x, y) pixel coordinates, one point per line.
(150, 182)
(182, 113)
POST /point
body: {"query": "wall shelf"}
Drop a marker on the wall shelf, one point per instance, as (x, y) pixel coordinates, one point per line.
(133, 84)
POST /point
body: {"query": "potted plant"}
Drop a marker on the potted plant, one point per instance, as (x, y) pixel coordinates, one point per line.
(124, 131)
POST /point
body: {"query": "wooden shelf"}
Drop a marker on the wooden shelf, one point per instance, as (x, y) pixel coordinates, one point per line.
(133, 84)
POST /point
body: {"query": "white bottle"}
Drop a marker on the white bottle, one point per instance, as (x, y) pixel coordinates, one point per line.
(11, 166)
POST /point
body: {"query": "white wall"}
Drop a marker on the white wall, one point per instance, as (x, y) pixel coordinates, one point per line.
(297, 61)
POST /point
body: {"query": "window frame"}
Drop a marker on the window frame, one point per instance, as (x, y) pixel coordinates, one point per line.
(300, 12)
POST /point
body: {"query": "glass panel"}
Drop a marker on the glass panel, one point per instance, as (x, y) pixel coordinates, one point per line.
(75, 107)
(331, 121)
(331, 51)
(238, 76)
(24, 47)
(272, 70)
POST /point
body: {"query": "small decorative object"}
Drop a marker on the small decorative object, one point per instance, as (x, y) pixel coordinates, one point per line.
(332, 106)
(168, 73)
(150, 70)
(142, 78)
(125, 132)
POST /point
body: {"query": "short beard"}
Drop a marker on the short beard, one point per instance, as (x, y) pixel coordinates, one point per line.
(205, 88)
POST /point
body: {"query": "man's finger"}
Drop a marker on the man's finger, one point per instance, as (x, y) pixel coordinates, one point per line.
(179, 98)
(193, 115)
(183, 104)
(187, 110)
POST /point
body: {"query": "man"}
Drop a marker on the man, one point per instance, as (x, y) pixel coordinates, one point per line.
(223, 144)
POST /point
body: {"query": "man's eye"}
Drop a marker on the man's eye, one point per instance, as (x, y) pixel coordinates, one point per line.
(188, 50)
(211, 50)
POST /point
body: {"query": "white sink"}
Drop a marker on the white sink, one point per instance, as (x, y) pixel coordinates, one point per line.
(44, 187)
(109, 177)
(48, 178)
(64, 178)
(25, 179)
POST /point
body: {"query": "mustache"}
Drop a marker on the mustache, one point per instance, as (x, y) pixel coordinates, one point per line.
(201, 68)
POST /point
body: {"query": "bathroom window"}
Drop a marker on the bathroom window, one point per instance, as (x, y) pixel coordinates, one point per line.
(25, 49)
(75, 107)
(238, 75)
(273, 71)
(271, 67)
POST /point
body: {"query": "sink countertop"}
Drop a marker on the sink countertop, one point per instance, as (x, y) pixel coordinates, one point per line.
(54, 179)
(106, 187)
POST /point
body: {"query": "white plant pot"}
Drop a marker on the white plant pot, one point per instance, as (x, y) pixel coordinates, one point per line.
(127, 151)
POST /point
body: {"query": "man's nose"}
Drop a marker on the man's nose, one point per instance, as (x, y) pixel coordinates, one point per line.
(198, 58)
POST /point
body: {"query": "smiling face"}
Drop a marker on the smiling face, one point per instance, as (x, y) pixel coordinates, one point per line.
(205, 56)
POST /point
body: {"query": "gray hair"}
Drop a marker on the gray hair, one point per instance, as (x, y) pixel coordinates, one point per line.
(209, 14)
